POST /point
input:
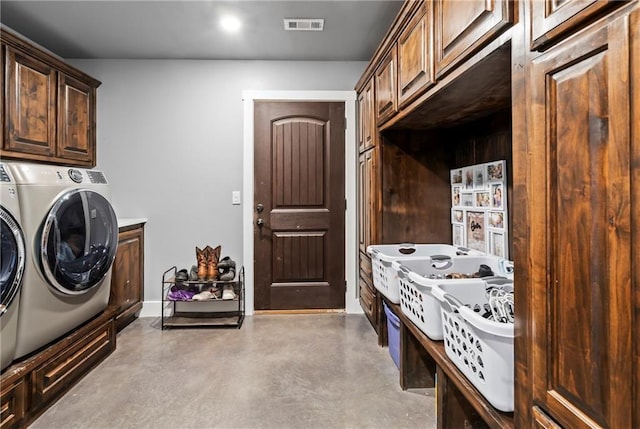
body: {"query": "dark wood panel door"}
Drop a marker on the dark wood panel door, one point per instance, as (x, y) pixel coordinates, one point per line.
(464, 27)
(368, 206)
(127, 274)
(415, 58)
(366, 118)
(551, 19)
(30, 105)
(76, 126)
(299, 187)
(385, 87)
(582, 291)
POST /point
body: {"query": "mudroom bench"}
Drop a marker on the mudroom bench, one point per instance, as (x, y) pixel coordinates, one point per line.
(424, 364)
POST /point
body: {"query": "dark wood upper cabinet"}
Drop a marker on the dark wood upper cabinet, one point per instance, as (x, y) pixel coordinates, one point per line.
(464, 27)
(551, 19)
(581, 283)
(385, 87)
(49, 107)
(415, 58)
(366, 118)
(30, 105)
(76, 125)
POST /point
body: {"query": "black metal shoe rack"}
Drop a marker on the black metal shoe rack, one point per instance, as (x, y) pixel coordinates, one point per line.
(210, 313)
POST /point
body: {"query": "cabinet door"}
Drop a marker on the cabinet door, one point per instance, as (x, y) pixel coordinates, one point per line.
(76, 126)
(551, 19)
(30, 105)
(366, 118)
(385, 87)
(464, 27)
(582, 295)
(415, 61)
(127, 283)
(368, 200)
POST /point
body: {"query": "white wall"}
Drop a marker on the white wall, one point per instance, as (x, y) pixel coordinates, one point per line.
(170, 142)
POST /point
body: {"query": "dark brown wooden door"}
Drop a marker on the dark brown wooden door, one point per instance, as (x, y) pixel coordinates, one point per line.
(76, 127)
(299, 183)
(126, 282)
(366, 118)
(385, 87)
(31, 105)
(464, 27)
(582, 294)
(415, 61)
(552, 19)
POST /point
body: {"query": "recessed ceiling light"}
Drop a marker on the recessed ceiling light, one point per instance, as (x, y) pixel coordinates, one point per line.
(230, 23)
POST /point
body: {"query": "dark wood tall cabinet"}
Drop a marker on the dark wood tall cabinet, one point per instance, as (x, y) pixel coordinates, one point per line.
(552, 88)
(368, 201)
(582, 286)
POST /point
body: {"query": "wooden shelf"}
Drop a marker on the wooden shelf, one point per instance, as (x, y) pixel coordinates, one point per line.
(435, 349)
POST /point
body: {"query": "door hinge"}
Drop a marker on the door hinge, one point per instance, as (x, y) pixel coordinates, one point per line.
(345, 204)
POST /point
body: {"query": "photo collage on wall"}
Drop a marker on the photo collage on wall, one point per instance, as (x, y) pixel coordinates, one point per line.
(479, 207)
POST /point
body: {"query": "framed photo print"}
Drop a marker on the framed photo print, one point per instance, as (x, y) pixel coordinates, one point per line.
(497, 196)
(455, 196)
(476, 230)
(467, 199)
(467, 176)
(457, 216)
(495, 171)
(458, 235)
(456, 176)
(496, 220)
(482, 199)
(497, 244)
(479, 176)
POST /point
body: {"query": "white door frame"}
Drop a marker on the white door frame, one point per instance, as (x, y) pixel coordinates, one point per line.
(351, 268)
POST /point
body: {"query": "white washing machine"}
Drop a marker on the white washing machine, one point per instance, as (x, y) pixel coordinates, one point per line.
(12, 263)
(71, 234)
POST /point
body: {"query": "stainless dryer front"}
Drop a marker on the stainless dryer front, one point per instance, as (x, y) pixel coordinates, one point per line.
(72, 232)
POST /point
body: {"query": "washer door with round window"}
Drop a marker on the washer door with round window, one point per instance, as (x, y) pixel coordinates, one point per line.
(12, 260)
(78, 241)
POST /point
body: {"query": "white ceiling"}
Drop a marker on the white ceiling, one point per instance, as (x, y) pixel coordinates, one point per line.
(189, 29)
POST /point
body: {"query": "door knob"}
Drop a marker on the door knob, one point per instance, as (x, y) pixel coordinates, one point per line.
(260, 222)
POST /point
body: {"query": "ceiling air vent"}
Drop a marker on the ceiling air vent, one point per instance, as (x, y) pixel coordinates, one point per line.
(304, 24)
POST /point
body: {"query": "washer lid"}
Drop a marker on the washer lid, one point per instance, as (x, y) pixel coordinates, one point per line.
(12, 259)
(78, 242)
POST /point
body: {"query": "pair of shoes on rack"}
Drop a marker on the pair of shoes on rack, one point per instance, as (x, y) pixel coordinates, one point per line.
(228, 293)
(227, 269)
(211, 293)
(208, 262)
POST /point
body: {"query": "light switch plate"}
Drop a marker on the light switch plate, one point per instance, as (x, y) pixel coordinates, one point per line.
(235, 197)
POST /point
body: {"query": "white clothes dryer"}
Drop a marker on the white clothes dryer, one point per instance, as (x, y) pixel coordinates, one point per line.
(12, 263)
(71, 231)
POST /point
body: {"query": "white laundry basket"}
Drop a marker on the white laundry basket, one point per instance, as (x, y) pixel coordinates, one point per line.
(385, 278)
(482, 349)
(415, 285)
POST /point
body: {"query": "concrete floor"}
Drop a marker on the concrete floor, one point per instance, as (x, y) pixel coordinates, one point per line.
(278, 371)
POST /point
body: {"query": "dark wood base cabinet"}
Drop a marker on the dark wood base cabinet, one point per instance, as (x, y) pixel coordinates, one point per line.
(32, 385)
(127, 279)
